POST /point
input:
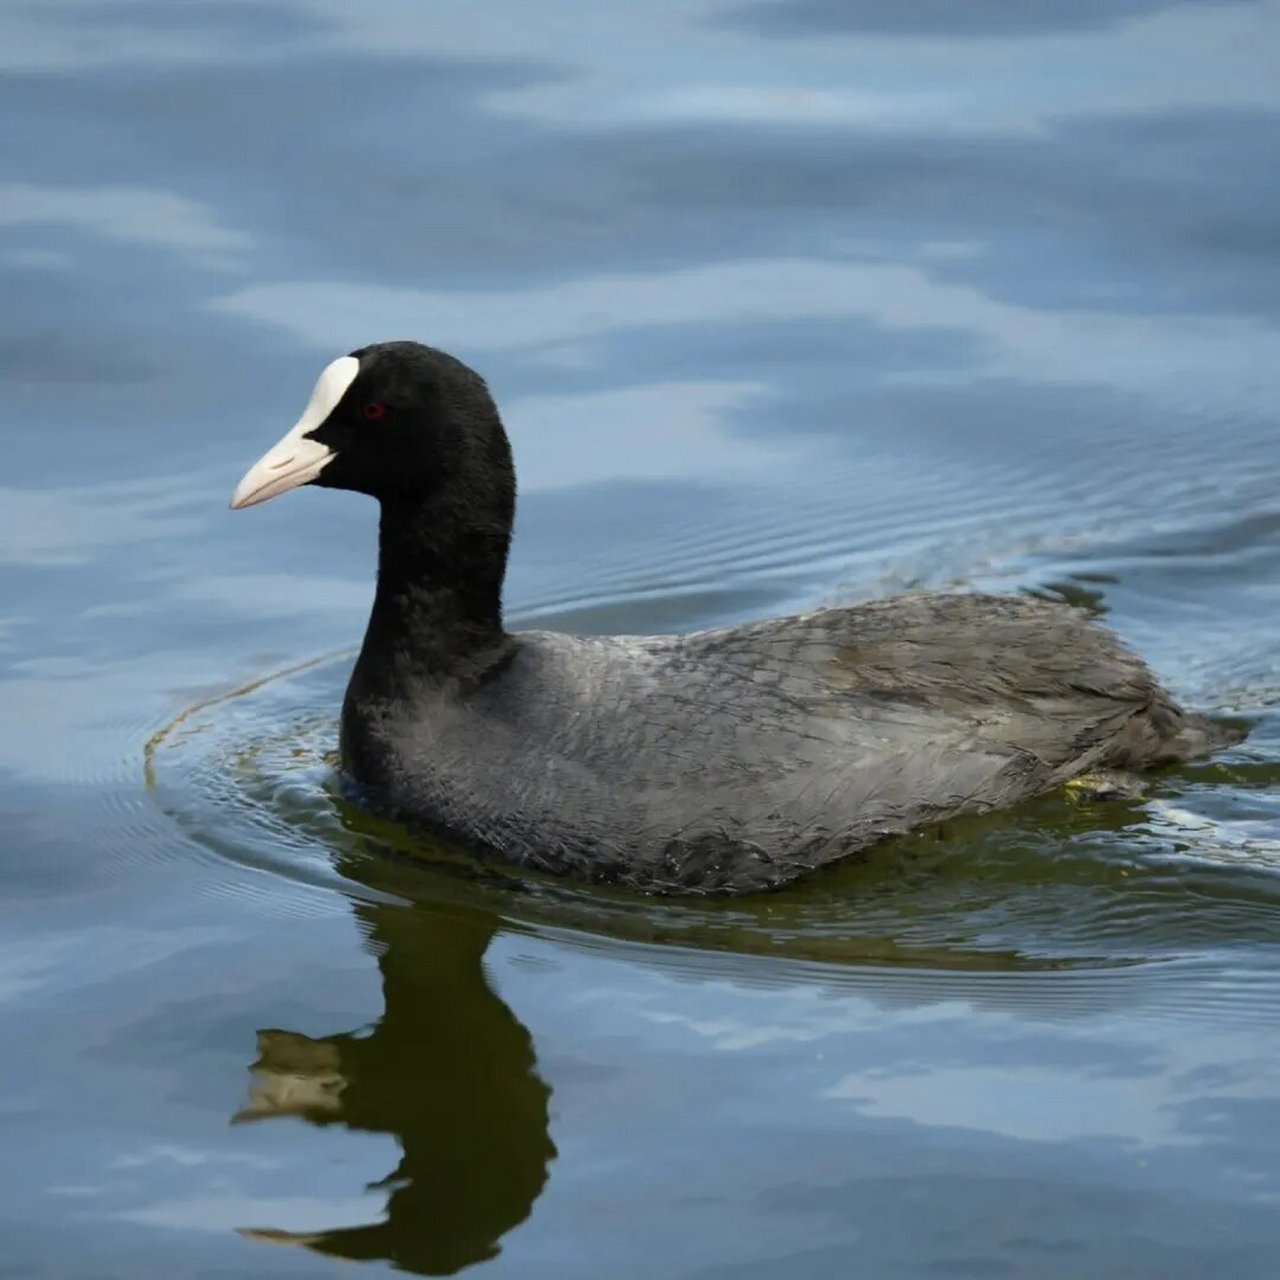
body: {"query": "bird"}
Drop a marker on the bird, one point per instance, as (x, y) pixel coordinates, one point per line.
(727, 761)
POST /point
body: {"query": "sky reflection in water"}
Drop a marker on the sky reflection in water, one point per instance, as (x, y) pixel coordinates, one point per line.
(786, 302)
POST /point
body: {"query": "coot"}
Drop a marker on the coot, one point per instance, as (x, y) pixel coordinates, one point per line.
(722, 761)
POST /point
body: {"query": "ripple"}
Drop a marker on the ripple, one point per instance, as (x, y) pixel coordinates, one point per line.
(1058, 906)
(951, 518)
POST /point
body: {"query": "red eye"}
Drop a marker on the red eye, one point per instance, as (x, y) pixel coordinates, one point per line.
(375, 411)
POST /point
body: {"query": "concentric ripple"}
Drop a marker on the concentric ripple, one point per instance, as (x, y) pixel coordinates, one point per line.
(1061, 902)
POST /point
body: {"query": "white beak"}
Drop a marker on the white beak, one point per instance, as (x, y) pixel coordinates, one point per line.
(296, 459)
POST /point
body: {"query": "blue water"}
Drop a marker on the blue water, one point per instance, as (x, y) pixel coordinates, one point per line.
(786, 302)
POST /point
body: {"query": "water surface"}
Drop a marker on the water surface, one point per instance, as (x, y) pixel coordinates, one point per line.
(787, 303)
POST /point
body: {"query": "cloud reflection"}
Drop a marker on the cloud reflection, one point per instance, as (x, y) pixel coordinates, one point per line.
(1018, 341)
(135, 215)
(944, 17)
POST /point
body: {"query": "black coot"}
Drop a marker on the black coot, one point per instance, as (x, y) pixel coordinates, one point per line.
(722, 761)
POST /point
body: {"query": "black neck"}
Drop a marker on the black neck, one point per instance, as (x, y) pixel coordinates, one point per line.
(437, 612)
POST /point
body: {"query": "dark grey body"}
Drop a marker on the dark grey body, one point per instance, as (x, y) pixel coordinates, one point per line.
(724, 761)
(737, 760)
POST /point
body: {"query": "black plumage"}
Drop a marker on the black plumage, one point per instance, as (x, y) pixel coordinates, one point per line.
(722, 761)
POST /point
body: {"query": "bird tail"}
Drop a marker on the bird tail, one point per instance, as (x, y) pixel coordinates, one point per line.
(1165, 734)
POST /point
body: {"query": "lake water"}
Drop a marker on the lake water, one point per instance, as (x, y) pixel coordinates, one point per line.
(786, 302)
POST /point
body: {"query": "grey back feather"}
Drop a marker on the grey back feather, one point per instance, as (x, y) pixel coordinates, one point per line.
(738, 759)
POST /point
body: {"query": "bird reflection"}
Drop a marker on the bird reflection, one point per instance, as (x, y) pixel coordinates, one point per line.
(448, 1071)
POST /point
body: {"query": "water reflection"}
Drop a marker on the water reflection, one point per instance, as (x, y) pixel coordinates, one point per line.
(936, 17)
(448, 1070)
(786, 302)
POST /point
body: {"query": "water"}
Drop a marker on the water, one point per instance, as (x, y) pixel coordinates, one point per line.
(787, 302)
